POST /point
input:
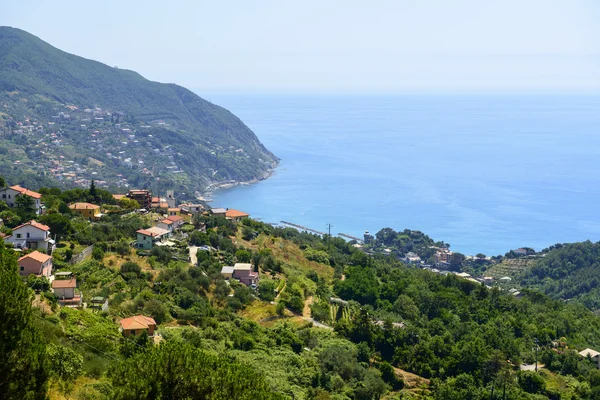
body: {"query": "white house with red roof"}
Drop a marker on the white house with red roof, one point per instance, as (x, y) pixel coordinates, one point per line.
(32, 235)
(10, 194)
(147, 237)
(171, 223)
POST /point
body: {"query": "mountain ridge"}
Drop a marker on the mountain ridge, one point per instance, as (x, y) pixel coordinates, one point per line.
(41, 73)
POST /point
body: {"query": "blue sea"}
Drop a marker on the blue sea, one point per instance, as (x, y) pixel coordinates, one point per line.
(485, 173)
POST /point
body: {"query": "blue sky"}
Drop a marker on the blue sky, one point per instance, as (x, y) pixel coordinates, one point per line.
(314, 46)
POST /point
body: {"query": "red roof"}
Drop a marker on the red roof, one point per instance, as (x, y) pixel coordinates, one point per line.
(236, 214)
(175, 218)
(26, 192)
(35, 224)
(37, 256)
(147, 233)
(64, 283)
(166, 221)
(137, 322)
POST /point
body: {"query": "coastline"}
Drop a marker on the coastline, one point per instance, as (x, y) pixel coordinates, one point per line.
(213, 187)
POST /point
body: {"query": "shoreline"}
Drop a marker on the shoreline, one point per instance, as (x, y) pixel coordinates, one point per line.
(213, 187)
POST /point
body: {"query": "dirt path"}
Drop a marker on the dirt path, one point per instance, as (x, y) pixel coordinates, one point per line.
(307, 303)
(411, 380)
(193, 251)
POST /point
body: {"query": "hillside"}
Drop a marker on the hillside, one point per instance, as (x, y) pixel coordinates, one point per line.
(569, 271)
(115, 123)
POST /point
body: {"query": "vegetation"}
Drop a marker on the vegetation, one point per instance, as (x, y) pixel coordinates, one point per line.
(38, 82)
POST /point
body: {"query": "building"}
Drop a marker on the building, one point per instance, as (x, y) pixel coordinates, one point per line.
(412, 258)
(368, 238)
(172, 211)
(65, 290)
(177, 221)
(218, 212)
(236, 215)
(227, 272)
(146, 238)
(35, 263)
(32, 235)
(10, 194)
(171, 198)
(86, 210)
(243, 272)
(189, 208)
(143, 197)
(593, 354)
(137, 325)
(165, 224)
(520, 252)
(99, 304)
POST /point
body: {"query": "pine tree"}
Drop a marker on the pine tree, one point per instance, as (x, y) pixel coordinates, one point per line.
(24, 369)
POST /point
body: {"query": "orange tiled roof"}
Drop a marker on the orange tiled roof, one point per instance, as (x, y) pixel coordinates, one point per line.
(64, 283)
(35, 224)
(236, 214)
(175, 218)
(37, 256)
(119, 196)
(83, 206)
(166, 221)
(176, 209)
(146, 232)
(26, 192)
(137, 322)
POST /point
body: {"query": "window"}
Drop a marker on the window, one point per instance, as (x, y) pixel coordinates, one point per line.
(4, 196)
(27, 235)
(22, 269)
(18, 236)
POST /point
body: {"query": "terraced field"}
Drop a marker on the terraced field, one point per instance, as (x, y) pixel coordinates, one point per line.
(512, 267)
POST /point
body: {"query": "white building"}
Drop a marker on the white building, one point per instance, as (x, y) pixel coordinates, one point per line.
(32, 235)
(10, 194)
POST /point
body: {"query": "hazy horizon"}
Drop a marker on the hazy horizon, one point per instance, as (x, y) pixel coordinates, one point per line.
(335, 47)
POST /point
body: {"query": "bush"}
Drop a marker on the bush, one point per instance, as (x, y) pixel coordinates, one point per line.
(97, 253)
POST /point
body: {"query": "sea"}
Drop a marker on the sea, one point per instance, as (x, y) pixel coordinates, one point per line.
(485, 173)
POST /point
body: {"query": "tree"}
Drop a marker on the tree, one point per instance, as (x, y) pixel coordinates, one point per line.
(24, 368)
(176, 370)
(2, 182)
(92, 192)
(25, 207)
(266, 289)
(65, 364)
(58, 223)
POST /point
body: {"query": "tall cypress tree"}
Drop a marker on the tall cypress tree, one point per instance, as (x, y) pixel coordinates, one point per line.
(23, 370)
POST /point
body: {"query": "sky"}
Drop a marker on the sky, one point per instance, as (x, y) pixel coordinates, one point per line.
(315, 46)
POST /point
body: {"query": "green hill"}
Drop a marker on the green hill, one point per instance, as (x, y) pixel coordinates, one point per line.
(73, 98)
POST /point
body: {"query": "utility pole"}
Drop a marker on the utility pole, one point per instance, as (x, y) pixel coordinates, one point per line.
(329, 235)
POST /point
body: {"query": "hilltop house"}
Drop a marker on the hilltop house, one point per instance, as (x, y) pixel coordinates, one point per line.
(137, 324)
(171, 223)
(86, 210)
(236, 215)
(146, 238)
(10, 194)
(64, 289)
(172, 211)
(32, 235)
(244, 273)
(227, 272)
(189, 208)
(35, 263)
(218, 212)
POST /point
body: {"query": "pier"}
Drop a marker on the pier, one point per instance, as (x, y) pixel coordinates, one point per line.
(303, 228)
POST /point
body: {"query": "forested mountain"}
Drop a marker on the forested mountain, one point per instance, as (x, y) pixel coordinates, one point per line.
(115, 123)
(569, 271)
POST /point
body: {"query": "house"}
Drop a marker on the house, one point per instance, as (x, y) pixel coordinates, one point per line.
(35, 263)
(138, 324)
(165, 224)
(218, 212)
(227, 272)
(177, 221)
(188, 208)
(86, 210)
(143, 197)
(64, 289)
(99, 303)
(236, 215)
(520, 252)
(173, 211)
(412, 258)
(243, 272)
(10, 194)
(593, 354)
(147, 237)
(32, 235)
